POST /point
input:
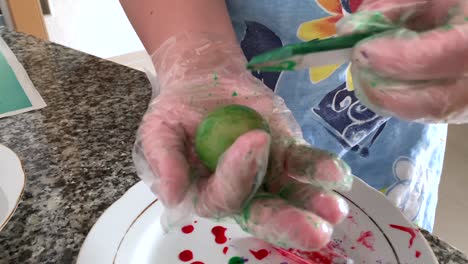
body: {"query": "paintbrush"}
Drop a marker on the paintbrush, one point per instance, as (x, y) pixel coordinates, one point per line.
(317, 52)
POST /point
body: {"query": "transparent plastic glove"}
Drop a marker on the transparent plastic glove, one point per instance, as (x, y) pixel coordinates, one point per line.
(419, 69)
(289, 203)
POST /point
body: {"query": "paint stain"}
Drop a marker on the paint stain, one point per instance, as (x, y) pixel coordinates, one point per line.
(260, 254)
(409, 230)
(186, 255)
(215, 76)
(353, 247)
(235, 94)
(291, 256)
(417, 254)
(187, 229)
(351, 219)
(219, 233)
(335, 246)
(195, 221)
(225, 250)
(197, 262)
(367, 239)
(236, 260)
(447, 27)
(364, 54)
(324, 256)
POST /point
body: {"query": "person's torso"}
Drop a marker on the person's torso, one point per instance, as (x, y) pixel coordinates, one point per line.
(402, 159)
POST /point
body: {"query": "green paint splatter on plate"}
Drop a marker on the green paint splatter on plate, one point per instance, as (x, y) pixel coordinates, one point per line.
(236, 260)
(235, 94)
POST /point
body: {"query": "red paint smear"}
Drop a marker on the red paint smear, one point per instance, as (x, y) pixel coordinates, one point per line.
(324, 256)
(186, 255)
(225, 250)
(353, 247)
(321, 258)
(260, 254)
(188, 229)
(198, 262)
(351, 218)
(367, 240)
(291, 256)
(418, 253)
(409, 230)
(195, 221)
(219, 233)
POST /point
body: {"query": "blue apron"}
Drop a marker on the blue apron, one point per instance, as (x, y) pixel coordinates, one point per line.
(401, 159)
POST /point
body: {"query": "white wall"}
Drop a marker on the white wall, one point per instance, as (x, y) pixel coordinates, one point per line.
(98, 27)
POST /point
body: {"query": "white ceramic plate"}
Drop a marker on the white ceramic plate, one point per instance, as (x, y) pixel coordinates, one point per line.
(130, 232)
(12, 181)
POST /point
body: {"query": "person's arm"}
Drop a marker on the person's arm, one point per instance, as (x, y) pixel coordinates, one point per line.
(157, 20)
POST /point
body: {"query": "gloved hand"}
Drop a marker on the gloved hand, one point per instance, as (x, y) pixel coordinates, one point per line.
(289, 203)
(419, 69)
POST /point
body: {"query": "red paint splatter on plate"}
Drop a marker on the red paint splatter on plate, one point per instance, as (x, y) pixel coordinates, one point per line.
(188, 229)
(323, 256)
(293, 257)
(411, 231)
(335, 246)
(225, 250)
(417, 253)
(367, 239)
(260, 254)
(351, 219)
(219, 233)
(353, 247)
(186, 255)
(198, 262)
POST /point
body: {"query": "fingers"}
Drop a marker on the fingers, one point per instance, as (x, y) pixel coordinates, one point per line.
(406, 55)
(328, 205)
(430, 101)
(378, 15)
(308, 165)
(396, 10)
(417, 15)
(414, 14)
(163, 148)
(238, 175)
(279, 223)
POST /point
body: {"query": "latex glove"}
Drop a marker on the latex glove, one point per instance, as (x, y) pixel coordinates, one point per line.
(288, 204)
(419, 70)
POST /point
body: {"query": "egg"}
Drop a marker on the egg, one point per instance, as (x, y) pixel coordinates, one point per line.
(220, 129)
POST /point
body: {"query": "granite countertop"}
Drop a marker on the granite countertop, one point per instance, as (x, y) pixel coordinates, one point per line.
(76, 152)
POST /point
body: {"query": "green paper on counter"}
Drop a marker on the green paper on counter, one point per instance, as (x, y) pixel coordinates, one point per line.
(17, 93)
(12, 95)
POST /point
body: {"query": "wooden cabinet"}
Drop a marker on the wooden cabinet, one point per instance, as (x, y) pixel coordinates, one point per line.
(26, 16)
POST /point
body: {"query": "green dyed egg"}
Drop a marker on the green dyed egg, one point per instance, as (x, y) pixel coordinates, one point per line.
(220, 128)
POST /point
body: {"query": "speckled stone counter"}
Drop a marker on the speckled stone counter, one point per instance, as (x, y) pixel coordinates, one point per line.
(76, 152)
